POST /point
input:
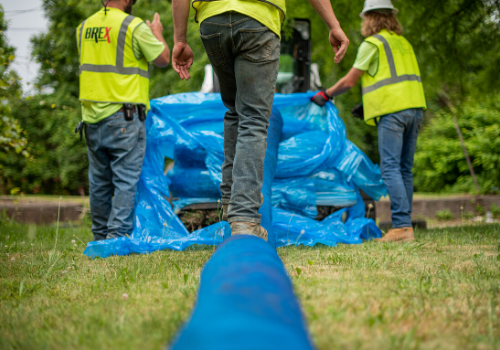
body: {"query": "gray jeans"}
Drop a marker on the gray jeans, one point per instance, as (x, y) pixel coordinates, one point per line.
(245, 56)
(116, 149)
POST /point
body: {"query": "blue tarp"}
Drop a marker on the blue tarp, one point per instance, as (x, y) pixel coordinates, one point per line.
(315, 165)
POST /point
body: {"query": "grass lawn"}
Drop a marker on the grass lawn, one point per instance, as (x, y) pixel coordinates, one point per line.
(442, 292)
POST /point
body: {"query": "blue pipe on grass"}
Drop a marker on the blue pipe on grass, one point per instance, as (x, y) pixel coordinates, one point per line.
(245, 301)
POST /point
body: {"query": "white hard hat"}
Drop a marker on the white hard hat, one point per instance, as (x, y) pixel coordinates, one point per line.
(371, 5)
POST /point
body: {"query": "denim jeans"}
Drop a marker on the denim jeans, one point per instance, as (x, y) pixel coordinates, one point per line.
(116, 149)
(245, 56)
(397, 139)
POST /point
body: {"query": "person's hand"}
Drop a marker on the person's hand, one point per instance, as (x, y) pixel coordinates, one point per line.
(182, 59)
(156, 26)
(339, 43)
(321, 98)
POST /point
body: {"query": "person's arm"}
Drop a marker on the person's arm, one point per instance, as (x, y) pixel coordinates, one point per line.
(343, 85)
(337, 37)
(157, 29)
(346, 83)
(182, 55)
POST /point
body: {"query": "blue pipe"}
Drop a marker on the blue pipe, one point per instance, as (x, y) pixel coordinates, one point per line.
(245, 301)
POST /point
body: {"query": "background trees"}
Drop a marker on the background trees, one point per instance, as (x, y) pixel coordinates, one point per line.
(456, 41)
(12, 137)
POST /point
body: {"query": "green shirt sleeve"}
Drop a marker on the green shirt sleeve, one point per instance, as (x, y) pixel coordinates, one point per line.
(367, 58)
(145, 43)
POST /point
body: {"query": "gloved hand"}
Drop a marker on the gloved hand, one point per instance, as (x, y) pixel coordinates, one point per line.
(358, 111)
(321, 98)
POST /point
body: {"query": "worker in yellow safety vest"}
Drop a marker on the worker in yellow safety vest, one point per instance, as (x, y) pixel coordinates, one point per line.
(393, 100)
(114, 49)
(242, 41)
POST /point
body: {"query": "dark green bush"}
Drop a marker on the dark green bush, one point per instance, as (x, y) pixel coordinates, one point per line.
(440, 164)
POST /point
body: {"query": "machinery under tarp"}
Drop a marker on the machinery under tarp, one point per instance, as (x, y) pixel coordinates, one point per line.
(309, 162)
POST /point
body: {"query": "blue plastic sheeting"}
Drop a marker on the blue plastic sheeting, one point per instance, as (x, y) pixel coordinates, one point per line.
(354, 164)
(331, 187)
(245, 301)
(292, 229)
(297, 195)
(315, 165)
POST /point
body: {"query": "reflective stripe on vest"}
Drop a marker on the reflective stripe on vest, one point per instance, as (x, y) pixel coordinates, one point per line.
(395, 78)
(279, 4)
(387, 92)
(109, 70)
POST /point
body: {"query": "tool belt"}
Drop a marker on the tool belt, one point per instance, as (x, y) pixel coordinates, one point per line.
(128, 110)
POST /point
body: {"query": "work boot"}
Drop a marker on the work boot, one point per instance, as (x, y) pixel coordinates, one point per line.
(404, 234)
(226, 206)
(248, 228)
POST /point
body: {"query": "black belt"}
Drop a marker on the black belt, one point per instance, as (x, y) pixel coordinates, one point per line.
(128, 110)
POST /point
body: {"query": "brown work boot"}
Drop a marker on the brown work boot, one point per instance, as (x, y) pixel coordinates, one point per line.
(248, 228)
(404, 234)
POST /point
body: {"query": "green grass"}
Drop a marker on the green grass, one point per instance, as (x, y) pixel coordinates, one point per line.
(441, 292)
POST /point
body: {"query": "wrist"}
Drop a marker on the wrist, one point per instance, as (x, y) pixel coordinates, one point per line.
(333, 24)
(181, 39)
(158, 35)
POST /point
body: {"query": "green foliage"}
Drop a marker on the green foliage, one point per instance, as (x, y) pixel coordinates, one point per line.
(11, 135)
(467, 215)
(440, 163)
(59, 160)
(444, 215)
(495, 211)
(480, 209)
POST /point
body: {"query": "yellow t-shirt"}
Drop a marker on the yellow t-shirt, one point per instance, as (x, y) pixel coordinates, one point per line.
(367, 58)
(266, 14)
(144, 45)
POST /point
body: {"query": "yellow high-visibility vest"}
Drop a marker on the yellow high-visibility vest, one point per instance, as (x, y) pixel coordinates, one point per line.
(397, 84)
(109, 70)
(279, 4)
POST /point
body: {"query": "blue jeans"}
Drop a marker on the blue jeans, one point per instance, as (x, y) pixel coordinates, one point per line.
(245, 56)
(397, 139)
(116, 151)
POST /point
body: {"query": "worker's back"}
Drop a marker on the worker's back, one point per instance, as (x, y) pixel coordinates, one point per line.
(397, 84)
(109, 69)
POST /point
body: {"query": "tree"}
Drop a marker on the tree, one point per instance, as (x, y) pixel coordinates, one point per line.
(12, 137)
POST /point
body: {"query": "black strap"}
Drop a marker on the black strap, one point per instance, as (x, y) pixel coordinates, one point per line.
(79, 128)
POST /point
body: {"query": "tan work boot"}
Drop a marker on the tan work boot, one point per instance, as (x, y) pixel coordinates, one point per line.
(226, 206)
(404, 234)
(248, 228)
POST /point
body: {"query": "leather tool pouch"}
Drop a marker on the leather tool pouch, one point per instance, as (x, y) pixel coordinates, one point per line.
(128, 109)
(142, 112)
